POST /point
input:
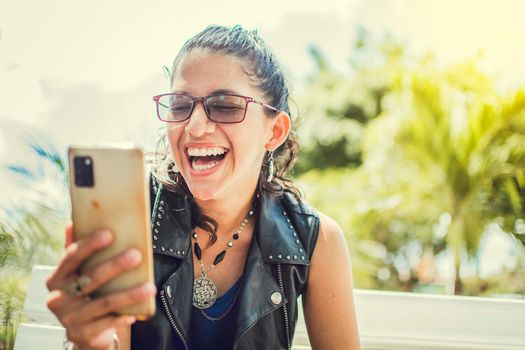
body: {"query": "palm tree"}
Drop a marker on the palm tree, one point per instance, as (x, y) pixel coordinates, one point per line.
(467, 141)
(431, 143)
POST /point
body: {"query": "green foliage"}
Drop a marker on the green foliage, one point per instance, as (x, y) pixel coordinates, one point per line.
(11, 302)
(30, 233)
(438, 154)
(337, 108)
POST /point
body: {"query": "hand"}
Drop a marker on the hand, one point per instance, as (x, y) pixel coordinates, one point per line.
(90, 324)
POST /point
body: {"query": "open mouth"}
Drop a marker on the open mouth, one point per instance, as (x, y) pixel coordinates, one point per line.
(202, 159)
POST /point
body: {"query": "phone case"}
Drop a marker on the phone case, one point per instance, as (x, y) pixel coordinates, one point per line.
(117, 199)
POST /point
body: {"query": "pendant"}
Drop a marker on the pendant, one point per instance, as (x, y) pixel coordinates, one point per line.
(204, 292)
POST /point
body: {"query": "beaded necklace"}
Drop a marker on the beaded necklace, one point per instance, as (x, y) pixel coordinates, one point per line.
(204, 290)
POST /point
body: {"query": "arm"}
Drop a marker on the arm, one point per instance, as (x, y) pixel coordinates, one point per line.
(328, 302)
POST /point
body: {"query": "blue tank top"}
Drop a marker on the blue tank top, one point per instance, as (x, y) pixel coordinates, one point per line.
(213, 328)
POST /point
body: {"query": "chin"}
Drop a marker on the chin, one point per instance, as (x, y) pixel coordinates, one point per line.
(204, 194)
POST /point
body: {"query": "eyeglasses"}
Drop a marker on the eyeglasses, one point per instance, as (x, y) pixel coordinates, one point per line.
(225, 108)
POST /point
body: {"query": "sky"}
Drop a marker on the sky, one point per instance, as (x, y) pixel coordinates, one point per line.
(85, 71)
(96, 53)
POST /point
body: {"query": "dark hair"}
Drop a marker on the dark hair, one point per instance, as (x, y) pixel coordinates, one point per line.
(265, 72)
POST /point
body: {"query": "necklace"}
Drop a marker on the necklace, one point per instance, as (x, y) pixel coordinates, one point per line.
(204, 290)
(220, 317)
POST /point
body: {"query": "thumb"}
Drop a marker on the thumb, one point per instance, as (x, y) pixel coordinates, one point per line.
(69, 234)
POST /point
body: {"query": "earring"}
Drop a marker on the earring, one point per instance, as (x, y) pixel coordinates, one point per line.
(176, 173)
(270, 167)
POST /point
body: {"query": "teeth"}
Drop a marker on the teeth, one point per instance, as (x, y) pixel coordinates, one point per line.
(203, 166)
(209, 151)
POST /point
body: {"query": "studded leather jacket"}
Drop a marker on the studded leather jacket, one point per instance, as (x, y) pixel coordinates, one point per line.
(276, 271)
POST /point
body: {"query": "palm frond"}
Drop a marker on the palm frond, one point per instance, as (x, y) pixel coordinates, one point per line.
(23, 171)
(48, 152)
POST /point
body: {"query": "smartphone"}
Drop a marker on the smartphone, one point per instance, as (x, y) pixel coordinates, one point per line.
(108, 188)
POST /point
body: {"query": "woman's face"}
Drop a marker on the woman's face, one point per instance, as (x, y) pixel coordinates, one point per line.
(244, 144)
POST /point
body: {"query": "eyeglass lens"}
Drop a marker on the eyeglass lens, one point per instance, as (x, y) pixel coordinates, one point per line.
(220, 108)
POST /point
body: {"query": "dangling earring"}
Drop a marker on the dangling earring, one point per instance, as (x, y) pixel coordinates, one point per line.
(270, 167)
(176, 173)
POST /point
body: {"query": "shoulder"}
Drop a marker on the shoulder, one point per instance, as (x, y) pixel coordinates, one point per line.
(330, 263)
(331, 238)
(329, 229)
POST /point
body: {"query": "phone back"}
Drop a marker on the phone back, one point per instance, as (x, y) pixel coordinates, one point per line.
(109, 190)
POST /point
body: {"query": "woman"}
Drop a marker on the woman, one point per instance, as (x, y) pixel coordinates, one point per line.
(234, 244)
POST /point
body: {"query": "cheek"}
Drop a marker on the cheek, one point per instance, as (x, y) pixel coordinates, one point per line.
(251, 145)
(173, 134)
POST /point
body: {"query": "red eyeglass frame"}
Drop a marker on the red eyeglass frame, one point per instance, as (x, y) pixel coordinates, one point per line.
(202, 99)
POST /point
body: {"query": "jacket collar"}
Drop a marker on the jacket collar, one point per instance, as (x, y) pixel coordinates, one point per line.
(276, 228)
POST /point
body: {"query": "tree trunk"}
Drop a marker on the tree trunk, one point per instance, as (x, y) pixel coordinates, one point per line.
(458, 283)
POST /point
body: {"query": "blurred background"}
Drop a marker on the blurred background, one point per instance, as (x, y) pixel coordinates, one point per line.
(412, 125)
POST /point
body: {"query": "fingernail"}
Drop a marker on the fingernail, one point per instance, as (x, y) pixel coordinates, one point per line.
(149, 289)
(133, 255)
(104, 236)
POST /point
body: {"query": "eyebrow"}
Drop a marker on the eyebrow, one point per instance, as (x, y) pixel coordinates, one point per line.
(213, 93)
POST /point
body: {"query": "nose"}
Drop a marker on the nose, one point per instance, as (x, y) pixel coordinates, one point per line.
(198, 123)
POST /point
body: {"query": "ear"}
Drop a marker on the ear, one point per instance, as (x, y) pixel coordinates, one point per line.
(280, 128)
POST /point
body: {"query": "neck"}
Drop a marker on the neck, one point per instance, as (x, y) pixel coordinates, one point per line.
(229, 211)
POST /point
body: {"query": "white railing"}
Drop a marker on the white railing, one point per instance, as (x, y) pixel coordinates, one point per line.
(387, 321)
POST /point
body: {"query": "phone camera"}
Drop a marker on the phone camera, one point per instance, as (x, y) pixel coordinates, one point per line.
(83, 171)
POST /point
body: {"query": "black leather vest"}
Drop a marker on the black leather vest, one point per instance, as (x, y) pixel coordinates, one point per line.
(275, 274)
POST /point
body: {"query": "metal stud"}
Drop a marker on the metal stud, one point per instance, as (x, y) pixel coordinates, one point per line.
(290, 226)
(284, 213)
(302, 257)
(297, 241)
(230, 244)
(288, 257)
(163, 249)
(157, 223)
(169, 291)
(295, 257)
(155, 237)
(251, 212)
(279, 256)
(182, 252)
(159, 216)
(178, 252)
(156, 231)
(301, 250)
(154, 246)
(288, 220)
(161, 202)
(270, 257)
(171, 250)
(276, 298)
